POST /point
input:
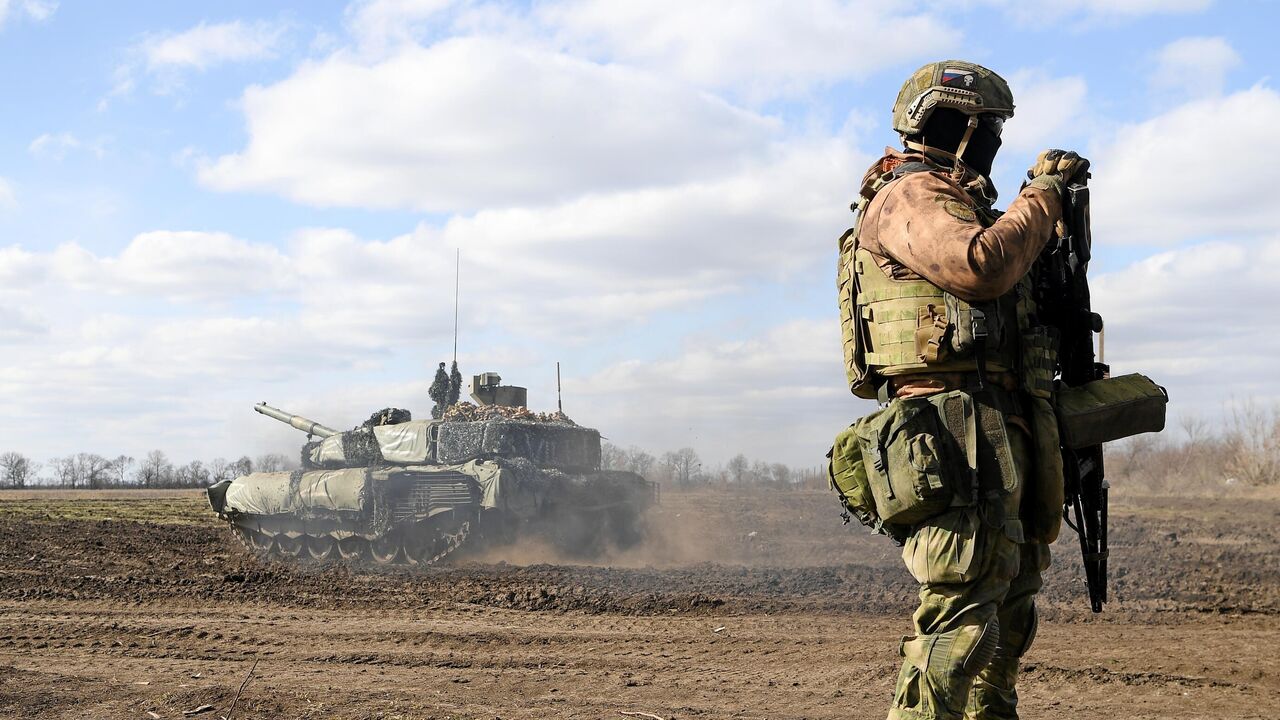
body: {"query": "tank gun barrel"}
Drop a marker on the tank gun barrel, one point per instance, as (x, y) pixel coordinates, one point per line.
(310, 427)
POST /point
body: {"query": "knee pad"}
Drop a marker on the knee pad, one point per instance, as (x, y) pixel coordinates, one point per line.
(983, 647)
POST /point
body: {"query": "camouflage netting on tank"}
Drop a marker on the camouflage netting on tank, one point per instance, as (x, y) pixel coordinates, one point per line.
(388, 416)
(544, 443)
(360, 447)
(467, 412)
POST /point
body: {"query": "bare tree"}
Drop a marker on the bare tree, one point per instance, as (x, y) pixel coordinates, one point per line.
(639, 461)
(155, 470)
(1254, 444)
(243, 466)
(64, 471)
(94, 470)
(760, 473)
(612, 457)
(16, 469)
(683, 464)
(219, 470)
(120, 469)
(737, 468)
(1195, 427)
(271, 462)
(781, 474)
(193, 474)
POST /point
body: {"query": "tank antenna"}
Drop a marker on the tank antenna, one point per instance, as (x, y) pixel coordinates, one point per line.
(457, 272)
(559, 400)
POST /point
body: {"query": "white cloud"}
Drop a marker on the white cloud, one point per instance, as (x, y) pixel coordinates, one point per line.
(1194, 319)
(205, 46)
(1047, 13)
(19, 324)
(19, 267)
(1047, 110)
(1194, 66)
(166, 265)
(1134, 8)
(58, 145)
(470, 122)
(378, 24)
(53, 145)
(764, 49)
(779, 396)
(34, 10)
(167, 57)
(8, 200)
(1165, 180)
(185, 265)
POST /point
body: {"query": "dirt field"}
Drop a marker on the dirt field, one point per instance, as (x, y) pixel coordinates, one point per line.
(131, 605)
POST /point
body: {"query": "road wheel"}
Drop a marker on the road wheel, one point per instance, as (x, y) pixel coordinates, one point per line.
(259, 543)
(353, 549)
(384, 549)
(290, 547)
(415, 547)
(320, 547)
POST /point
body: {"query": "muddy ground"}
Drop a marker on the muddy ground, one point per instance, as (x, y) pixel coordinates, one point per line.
(139, 605)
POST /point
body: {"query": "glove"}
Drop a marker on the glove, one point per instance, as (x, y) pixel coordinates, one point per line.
(1053, 169)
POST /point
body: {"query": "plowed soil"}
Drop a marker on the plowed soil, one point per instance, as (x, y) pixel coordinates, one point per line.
(140, 605)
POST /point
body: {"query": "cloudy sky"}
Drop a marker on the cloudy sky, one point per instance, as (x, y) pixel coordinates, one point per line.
(203, 206)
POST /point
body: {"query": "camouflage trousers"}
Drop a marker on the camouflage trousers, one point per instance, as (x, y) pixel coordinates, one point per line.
(977, 611)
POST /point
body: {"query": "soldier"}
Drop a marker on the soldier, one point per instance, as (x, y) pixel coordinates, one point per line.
(936, 313)
(439, 392)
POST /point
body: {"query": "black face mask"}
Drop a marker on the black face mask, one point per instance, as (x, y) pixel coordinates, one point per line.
(945, 130)
(981, 150)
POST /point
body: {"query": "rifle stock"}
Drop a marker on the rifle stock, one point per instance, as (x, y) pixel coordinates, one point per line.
(1062, 299)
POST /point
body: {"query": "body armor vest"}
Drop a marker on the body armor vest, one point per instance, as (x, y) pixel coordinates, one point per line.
(894, 327)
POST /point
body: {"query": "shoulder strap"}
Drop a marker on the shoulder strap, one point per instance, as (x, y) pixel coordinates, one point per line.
(875, 183)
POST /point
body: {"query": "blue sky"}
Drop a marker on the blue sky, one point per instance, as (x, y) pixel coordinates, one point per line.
(205, 206)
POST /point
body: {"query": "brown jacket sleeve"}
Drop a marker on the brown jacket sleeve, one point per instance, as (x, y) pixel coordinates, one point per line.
(926, 223)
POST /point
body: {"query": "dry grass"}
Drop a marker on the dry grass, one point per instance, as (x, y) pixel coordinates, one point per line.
(1239, 458)
(162, 507)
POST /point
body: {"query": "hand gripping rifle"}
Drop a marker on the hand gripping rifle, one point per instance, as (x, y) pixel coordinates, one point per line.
(1062, 300)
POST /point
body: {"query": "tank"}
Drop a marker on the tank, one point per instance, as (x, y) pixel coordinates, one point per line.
(394, 490)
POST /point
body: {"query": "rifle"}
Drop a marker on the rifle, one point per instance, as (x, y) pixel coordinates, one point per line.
(1062, 302)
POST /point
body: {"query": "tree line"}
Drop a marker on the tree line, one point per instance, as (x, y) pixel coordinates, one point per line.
(677, 469)
(684, 469)
(91, 471)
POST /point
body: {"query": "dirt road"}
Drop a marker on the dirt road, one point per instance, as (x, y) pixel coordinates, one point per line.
(754, 607)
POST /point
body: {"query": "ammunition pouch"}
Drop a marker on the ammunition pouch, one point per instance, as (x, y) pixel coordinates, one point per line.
(898, 466)
(1110, 409)
(908, 461)
(973, 323)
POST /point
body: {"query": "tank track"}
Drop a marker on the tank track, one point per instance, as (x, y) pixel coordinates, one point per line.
(396, 548)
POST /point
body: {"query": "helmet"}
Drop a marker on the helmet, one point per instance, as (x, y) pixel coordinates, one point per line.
(964, 86)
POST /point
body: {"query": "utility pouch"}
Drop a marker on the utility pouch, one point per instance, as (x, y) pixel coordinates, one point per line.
(1042, 503)
(1110, 409)
(908, 460)
(1039, 348)
(969, 322)
(847, 476)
